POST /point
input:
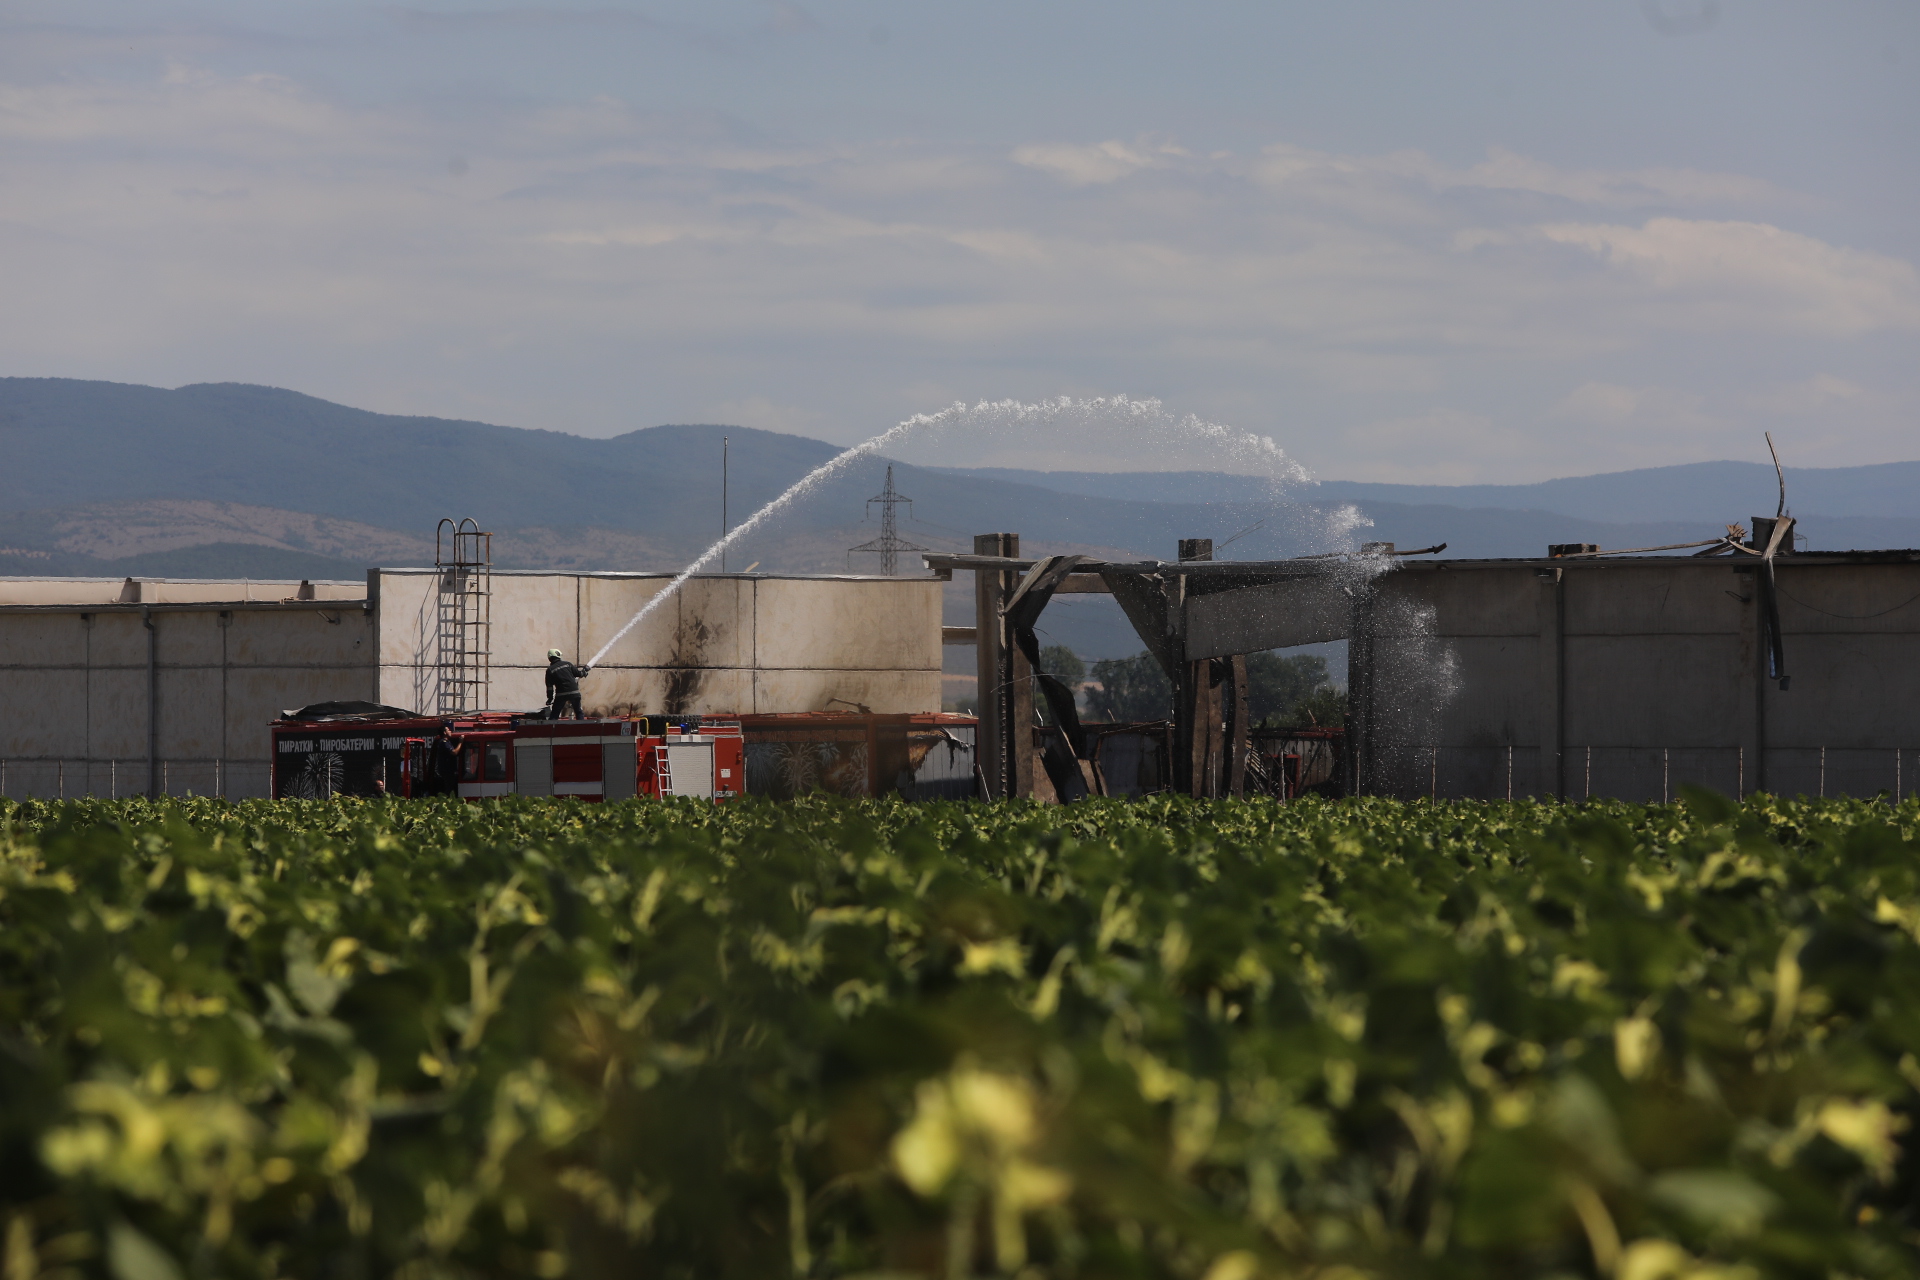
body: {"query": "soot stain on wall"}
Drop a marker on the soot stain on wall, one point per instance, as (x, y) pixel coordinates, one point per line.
(690, 641)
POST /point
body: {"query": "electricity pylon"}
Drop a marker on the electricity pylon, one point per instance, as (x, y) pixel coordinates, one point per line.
(888, 545)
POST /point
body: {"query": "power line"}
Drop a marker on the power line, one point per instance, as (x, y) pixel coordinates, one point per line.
(888, 545)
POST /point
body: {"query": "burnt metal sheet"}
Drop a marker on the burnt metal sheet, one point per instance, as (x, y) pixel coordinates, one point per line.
(1277, 615)
(1144, 601)
(1062, 760)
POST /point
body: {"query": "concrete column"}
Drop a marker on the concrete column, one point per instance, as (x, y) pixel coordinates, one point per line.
(1005, 748)
(1550, 700)
(1021, 755)
(1201, 713)
(1197, 705)
(153, 703)
(373, 635)
(1751, 647)
(86, 703)
(1237, 727)
(226, 668)
(1359, 735)
(986, 651)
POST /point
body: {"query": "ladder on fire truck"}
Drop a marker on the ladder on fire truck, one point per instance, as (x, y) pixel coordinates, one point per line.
(463, 631)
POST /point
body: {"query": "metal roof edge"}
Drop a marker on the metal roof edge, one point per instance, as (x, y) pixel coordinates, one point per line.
(122, 577)
(1804, 559)
(668, 575)
(196, 606)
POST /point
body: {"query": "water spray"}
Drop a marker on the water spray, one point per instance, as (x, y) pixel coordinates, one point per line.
(1259, 452)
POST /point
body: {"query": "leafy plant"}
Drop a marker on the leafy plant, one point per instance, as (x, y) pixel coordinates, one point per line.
(1166, 1038)
(1063, 663)
(1283, 690)
(1130, 689)
(1057, 659)
(1289, 690)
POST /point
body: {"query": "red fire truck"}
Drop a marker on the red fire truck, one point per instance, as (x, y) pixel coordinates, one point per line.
(364, 749)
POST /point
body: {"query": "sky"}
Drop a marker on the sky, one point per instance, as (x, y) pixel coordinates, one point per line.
(1472, 242)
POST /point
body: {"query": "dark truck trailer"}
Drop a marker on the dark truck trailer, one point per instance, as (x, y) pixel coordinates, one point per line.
(917, 756)
(345, 749)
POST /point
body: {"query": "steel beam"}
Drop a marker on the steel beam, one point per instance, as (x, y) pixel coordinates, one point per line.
(1006, 678)
(989, 741)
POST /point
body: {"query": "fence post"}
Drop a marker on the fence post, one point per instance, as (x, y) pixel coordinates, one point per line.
(1665, 788)
(1509, 771)
(1433, 776)
(60, 778)
(220, 781)
(1823, 773)
(1740, 774)
(166, 782)
(1589, 794)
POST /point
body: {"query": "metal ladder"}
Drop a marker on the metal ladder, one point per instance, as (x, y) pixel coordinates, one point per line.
(463, 615)
(664, 771)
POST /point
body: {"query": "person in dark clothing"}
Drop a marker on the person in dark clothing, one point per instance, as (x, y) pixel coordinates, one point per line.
(563, 687)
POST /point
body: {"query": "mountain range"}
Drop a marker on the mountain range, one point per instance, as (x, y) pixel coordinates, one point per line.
(1692, 491)
(246, 481)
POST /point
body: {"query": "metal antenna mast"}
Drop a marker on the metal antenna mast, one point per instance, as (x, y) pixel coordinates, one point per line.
(888, 545)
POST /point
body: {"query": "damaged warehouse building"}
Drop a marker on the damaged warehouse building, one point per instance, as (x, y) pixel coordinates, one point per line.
(153, 686)
(1741, 667)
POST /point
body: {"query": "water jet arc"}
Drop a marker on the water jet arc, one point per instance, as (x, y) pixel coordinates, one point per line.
(1261, 450)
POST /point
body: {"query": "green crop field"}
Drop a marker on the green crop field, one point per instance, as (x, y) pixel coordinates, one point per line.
(1158, 1039)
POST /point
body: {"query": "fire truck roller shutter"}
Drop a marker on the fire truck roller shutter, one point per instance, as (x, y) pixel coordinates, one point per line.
(692, 766)
(619, 764)
(535, 768)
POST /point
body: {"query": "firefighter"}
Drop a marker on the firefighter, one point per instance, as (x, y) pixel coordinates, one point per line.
(563, 687)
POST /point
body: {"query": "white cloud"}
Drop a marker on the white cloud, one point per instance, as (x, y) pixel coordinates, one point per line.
(1822, 393)
(1608, 404)
(1507, 172)
(1101, 163)
(1747, 274)
(592, 267)
(768, 415)
(1441, 446)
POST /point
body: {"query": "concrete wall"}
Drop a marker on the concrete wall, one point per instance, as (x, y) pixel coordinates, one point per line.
(77, 695)
(723, 643)
(229, 657)
(1629, 677)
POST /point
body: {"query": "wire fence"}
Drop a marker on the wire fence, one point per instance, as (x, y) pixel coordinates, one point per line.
(42, 779)
(1435, 772)
(1643, 774)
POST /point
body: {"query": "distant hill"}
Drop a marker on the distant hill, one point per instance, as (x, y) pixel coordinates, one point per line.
(1719, 491)
(208, 560)
(69, 442)
(236, 480)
